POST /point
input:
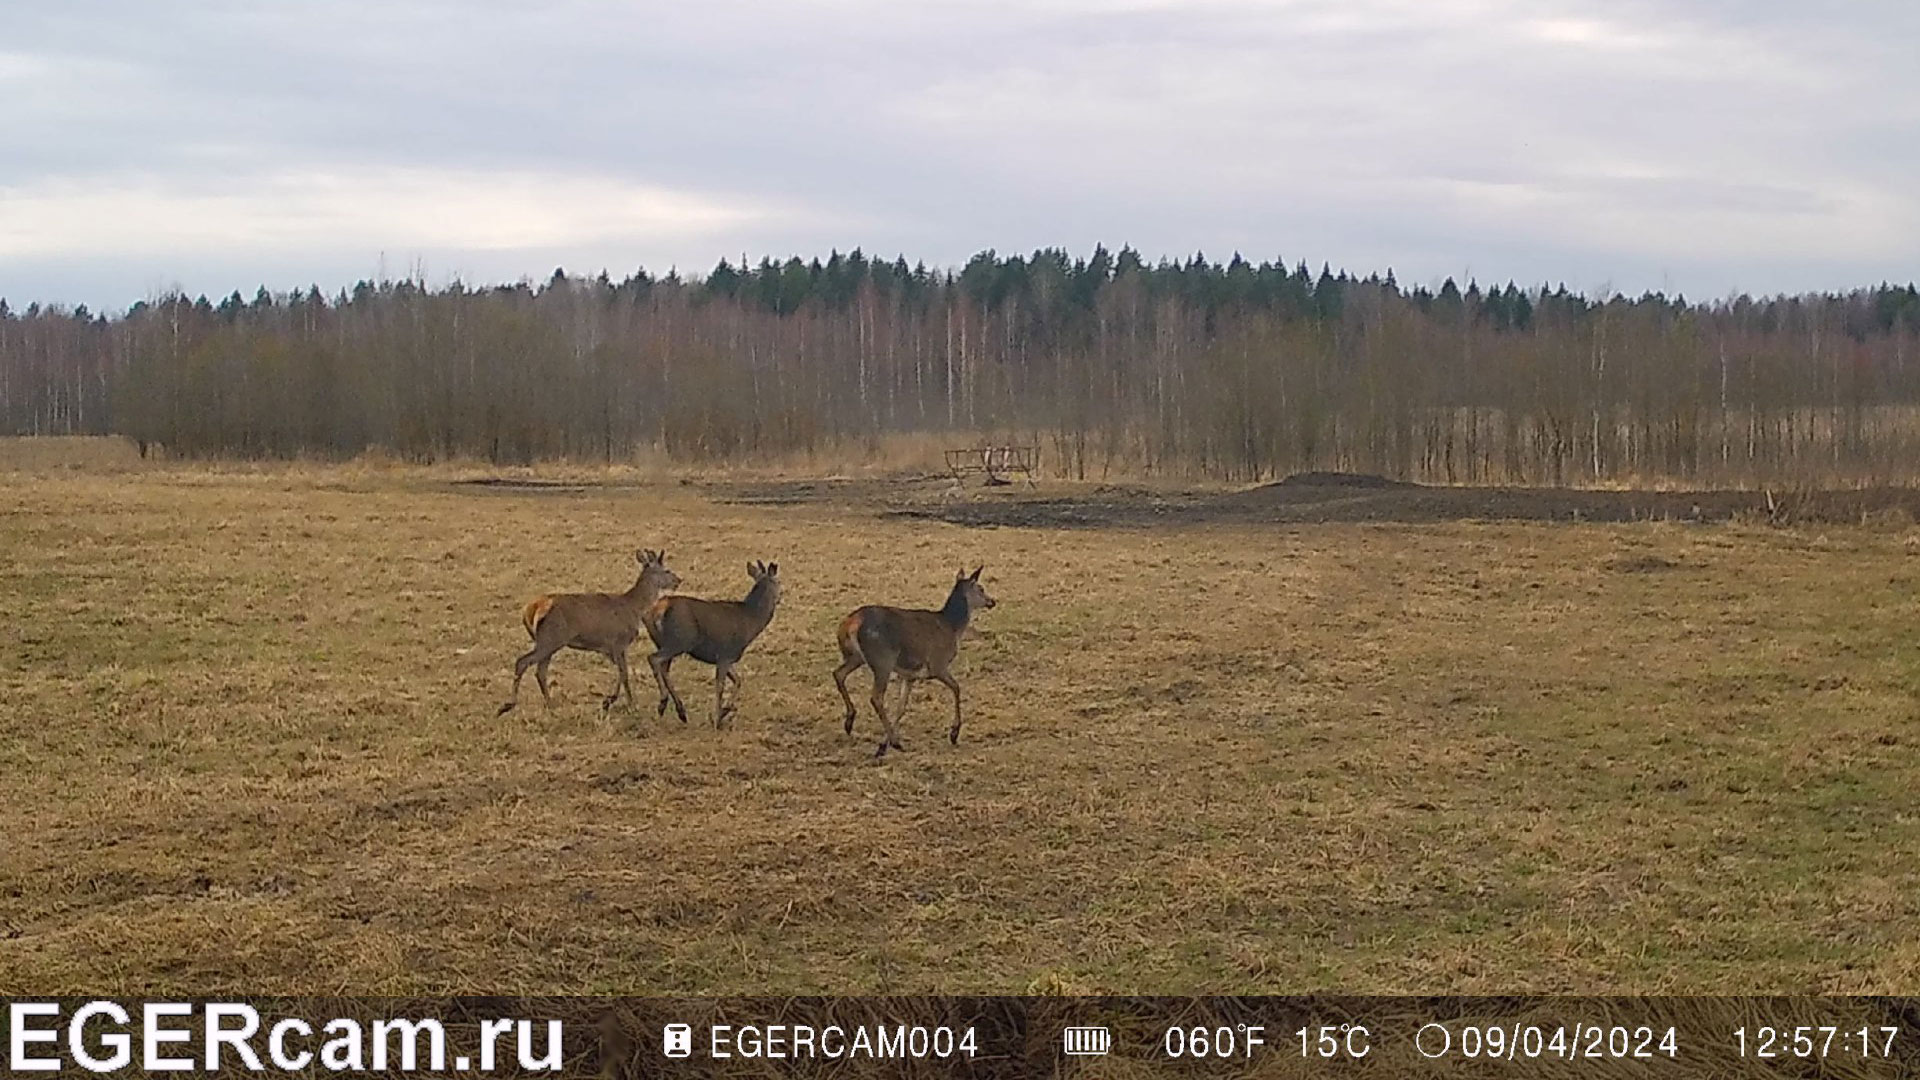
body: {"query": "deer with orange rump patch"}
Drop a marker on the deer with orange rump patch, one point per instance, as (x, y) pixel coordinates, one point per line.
(914, 643)
(713, 632)
(606, 623)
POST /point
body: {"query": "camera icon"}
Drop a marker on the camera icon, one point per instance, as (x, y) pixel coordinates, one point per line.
(677, 1040)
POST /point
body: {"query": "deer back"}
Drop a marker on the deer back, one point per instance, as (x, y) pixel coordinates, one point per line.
(708, 629)
(601, 620)
(918, 638)
(593, 620)
(712, 630)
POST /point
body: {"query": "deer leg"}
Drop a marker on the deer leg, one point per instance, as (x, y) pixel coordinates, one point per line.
(906, 700)
(721, 710)
(659, 683)
(619, 659)
(879, 699)
(846, 668)
(661, 662)
(540, 676)
(607, 702)
(625, 680)
(953, 735)
(535, 655)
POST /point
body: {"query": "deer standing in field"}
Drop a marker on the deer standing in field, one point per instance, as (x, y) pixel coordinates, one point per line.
(606, 623)
(916, 644)
(713, 632)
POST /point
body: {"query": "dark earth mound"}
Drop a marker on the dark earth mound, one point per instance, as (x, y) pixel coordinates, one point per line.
(509, 483)
(1301, 499)
(1317, 498)
(1341, 479)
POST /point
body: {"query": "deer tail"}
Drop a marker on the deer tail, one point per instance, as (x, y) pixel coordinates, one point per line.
(850, 635)
(535, 610)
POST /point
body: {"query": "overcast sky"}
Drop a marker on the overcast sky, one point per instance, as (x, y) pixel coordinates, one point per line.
(1703, 146)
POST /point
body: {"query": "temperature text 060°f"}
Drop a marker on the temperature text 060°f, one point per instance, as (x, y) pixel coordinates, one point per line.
(1224, 1041)
(1214, 1042)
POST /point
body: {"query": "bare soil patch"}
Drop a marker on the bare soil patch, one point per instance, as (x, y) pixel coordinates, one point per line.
(1327, 498)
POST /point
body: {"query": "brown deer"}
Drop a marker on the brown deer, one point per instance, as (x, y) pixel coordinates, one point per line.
(713, 632)
(916, 644)
(606, 623)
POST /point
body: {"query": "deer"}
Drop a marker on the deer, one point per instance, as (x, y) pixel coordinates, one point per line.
(606, 623)
(916, 644)
(713, 632)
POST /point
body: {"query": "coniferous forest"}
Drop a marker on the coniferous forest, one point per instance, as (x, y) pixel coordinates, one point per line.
(1232, 370)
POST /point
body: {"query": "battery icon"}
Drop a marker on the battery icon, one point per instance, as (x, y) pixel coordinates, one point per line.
(677, 1041)
(1086, 1041)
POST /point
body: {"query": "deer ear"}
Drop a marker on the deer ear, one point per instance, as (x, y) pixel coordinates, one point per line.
(773, 568)
(976, 572)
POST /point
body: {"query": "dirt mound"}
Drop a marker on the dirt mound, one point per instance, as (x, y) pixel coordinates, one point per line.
(1304, 502)
(512, 483)
(1309, 498)
(1340, 480)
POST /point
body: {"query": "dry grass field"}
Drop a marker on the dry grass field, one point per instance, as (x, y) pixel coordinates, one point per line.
(248, 739)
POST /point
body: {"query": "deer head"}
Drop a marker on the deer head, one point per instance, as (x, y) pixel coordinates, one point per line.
(970, 589)
(654, 572)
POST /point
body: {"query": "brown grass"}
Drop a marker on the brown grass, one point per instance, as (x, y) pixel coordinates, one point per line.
(69, 453)
(247, 722)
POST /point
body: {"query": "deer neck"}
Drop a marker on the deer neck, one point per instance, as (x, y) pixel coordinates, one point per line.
(643, 594)
(759, 603)
(956, 612)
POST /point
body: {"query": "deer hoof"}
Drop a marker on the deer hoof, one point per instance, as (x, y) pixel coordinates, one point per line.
(849, 724)
(661, 710)
(953, 736)
(508, 707)
(882, 752)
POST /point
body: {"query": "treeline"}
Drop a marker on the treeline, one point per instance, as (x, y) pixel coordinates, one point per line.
(1229, 369)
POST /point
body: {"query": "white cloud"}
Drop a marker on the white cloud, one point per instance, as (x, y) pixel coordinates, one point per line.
(1597, 34)
(21, 67)
(1676, 217)
(342, 208)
